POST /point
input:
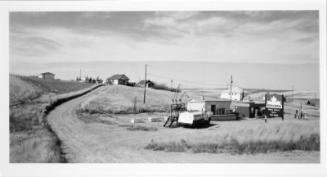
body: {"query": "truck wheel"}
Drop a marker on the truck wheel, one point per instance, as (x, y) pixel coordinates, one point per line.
(208, 121)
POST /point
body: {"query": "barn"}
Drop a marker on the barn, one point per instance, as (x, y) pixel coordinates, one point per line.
(118, 79)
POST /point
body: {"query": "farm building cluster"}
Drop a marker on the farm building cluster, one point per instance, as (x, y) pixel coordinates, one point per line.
(230, 105)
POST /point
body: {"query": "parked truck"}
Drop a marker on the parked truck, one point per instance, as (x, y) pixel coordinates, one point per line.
(203, 111)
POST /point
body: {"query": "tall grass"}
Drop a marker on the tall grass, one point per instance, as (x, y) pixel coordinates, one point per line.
(141, 128)
(36, 146)
(286, 136)
(31, 140)
(311, 143)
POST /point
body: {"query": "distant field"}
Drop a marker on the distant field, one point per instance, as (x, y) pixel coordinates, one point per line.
(122, 99)
(214, 93)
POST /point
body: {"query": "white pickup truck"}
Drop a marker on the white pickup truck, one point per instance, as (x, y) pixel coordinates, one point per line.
(203, 111)
(193, 118)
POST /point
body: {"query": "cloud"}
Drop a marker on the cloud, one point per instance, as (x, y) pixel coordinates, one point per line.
(221, 36)
(24, 43)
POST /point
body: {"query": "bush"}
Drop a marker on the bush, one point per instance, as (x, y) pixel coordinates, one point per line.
(141, 128)
(310, 143)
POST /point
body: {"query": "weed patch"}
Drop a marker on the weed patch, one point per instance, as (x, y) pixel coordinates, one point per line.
(141, 128)
(310, 143)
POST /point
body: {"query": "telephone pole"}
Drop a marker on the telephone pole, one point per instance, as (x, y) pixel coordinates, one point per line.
(145, 83)
(231, 87)
(292, 92)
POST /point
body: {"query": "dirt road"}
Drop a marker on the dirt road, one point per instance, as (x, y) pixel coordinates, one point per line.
(108, 142)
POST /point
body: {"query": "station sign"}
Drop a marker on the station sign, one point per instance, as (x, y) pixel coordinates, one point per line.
(274, 105)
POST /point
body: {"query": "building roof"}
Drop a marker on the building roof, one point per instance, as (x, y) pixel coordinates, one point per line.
(118, 77)
(47, 73)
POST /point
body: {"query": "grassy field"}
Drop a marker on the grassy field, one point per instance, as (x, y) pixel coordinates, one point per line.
(35, 146)
(30, 141)
(125, 100)
(22, 91)
(249, 136)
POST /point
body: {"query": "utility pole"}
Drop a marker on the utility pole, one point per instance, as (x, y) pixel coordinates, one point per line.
(80, 74)
(231, 87)
(145, 83)
(292, 92)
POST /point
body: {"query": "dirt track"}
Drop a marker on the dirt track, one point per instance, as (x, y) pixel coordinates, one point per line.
(99, 142)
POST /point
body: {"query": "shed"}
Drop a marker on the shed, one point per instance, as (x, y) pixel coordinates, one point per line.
(118, 79)
(47, 75)
(149, 83)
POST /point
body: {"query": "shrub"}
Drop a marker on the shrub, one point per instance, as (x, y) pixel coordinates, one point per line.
(310, 143)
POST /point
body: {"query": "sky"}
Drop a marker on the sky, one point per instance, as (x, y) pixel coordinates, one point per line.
(269, 37)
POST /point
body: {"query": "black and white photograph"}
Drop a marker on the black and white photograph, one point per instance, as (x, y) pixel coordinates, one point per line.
(161, 86)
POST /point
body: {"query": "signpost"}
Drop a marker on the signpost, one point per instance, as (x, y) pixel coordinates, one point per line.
(274, 105)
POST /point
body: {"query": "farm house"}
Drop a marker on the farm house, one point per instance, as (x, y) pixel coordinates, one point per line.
(118, 79)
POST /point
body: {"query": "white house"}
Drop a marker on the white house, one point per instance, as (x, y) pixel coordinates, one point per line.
(236, 94)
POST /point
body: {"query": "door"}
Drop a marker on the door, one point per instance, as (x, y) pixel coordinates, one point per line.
(213, 109)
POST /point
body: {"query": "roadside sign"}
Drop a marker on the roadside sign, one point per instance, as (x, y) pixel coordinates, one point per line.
(274, 105)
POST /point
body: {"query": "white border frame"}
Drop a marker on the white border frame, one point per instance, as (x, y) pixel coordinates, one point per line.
(145, 169)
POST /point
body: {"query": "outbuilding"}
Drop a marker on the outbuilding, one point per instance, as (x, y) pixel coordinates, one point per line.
(47, 75)
(149, 83)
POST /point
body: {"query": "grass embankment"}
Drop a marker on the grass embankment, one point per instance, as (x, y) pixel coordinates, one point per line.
(30, 140)
(127, 100)
(26, 89)
(260, 138)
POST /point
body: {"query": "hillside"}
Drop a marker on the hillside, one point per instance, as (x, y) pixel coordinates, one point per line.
(123, 99)
(21, 90)
(24, 88)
